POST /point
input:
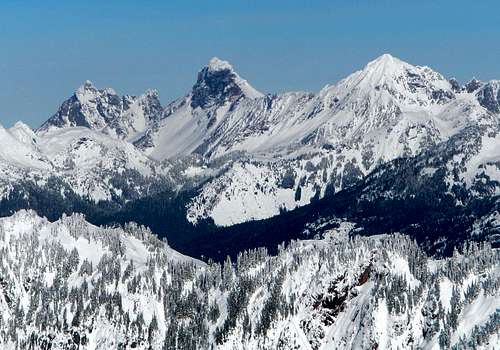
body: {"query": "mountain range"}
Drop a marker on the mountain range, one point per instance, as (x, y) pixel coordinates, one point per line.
(226, 154)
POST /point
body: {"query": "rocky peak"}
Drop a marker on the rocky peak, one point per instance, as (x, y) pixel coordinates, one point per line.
(216, 64)
(87, 86)
(217, 83)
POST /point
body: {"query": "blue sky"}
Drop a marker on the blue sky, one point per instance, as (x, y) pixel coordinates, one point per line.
(48, 48)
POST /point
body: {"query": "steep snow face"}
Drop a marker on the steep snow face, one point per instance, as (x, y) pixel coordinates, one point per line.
(120, 116)
(258, 188)
(104, 288)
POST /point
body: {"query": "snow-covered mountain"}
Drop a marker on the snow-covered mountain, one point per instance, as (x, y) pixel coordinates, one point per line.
(187, 123)
(72, 285)
(122, 117)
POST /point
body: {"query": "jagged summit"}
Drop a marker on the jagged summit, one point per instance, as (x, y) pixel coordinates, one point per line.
(151, 93)
(104, 110)
(88, 90)
(473, 85)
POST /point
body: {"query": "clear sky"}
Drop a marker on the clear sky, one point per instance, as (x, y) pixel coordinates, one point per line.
(48, 48)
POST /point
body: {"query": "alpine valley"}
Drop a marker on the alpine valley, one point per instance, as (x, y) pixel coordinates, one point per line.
(363, 216)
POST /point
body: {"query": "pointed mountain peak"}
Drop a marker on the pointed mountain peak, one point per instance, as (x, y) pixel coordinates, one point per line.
(387, 67)
(389, 70)
(23, 133)
(386, 64)
(217, 83)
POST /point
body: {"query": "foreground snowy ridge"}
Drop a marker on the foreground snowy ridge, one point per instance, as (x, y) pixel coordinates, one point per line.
(71, 285)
